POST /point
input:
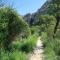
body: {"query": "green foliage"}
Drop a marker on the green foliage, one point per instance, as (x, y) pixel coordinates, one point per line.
(26, 45)
(15, 36)
(47, 22)
(54, 7)
(52, 50)
(16, 55)
(47, 19)
(50, 54)
(51, 47)
(19, 48)
(35, 29)
(11, 25)
(57, 35)
(3, 55)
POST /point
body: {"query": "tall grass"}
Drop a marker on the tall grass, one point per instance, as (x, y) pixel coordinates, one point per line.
(16, 55)
(19, 49)
(51, 47)
(26, 45)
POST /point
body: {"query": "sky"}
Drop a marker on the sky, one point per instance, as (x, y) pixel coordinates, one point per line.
(26, 6)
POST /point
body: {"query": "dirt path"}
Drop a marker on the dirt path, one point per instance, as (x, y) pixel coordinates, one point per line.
(38, 51)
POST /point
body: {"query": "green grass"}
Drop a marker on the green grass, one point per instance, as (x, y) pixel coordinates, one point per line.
(51, 47)
(26, 45)
(16, 55)
(19, 49)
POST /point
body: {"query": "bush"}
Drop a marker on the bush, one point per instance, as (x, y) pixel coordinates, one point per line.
(16, 55)
(35, 29)
(50, 54)
(3, 55)
(26, 45)
(46, 21)
(51, 47)
(11, 26)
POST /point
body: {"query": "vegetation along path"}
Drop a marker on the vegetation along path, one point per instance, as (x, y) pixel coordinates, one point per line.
(38, 51)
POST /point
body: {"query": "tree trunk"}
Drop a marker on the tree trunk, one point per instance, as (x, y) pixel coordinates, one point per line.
(56, 26)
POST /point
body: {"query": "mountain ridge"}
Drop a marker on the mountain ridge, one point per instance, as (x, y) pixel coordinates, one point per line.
(32, 18)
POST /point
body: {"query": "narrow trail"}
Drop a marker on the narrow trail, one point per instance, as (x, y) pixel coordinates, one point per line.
(38, 51)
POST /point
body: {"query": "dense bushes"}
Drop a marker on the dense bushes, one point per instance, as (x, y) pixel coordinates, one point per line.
(26, 45)
(51, 47)
(15, 36)
(19, 49)
(16, 55)
(46, 21)
(35, 29)
(50, 41)
(11, 26)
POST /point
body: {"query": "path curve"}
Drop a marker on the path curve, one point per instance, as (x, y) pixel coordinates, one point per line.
(38, 51)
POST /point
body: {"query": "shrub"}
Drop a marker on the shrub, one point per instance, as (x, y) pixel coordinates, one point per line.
(35, 29)
(3, 55)
(26, 45)
(51, 47)
(16, 55)
(50, 54)
(46, 21)
(11, 26)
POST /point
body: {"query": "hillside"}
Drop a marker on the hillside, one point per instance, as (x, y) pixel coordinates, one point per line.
(32, 18)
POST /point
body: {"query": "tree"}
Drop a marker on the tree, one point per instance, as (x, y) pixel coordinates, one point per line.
(11, 25)
(47, 24)
(54, 9)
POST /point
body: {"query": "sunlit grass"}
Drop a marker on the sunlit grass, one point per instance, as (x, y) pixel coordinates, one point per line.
(51, 48)
(26, 45)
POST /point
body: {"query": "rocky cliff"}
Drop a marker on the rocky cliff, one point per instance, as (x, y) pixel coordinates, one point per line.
(32, 18)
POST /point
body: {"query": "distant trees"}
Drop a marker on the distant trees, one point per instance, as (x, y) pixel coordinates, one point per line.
(11, 25)
(46, 21)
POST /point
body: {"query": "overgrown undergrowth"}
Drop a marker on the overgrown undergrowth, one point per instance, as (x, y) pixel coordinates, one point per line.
(25, 45)
(19, 49)
(51, 47)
